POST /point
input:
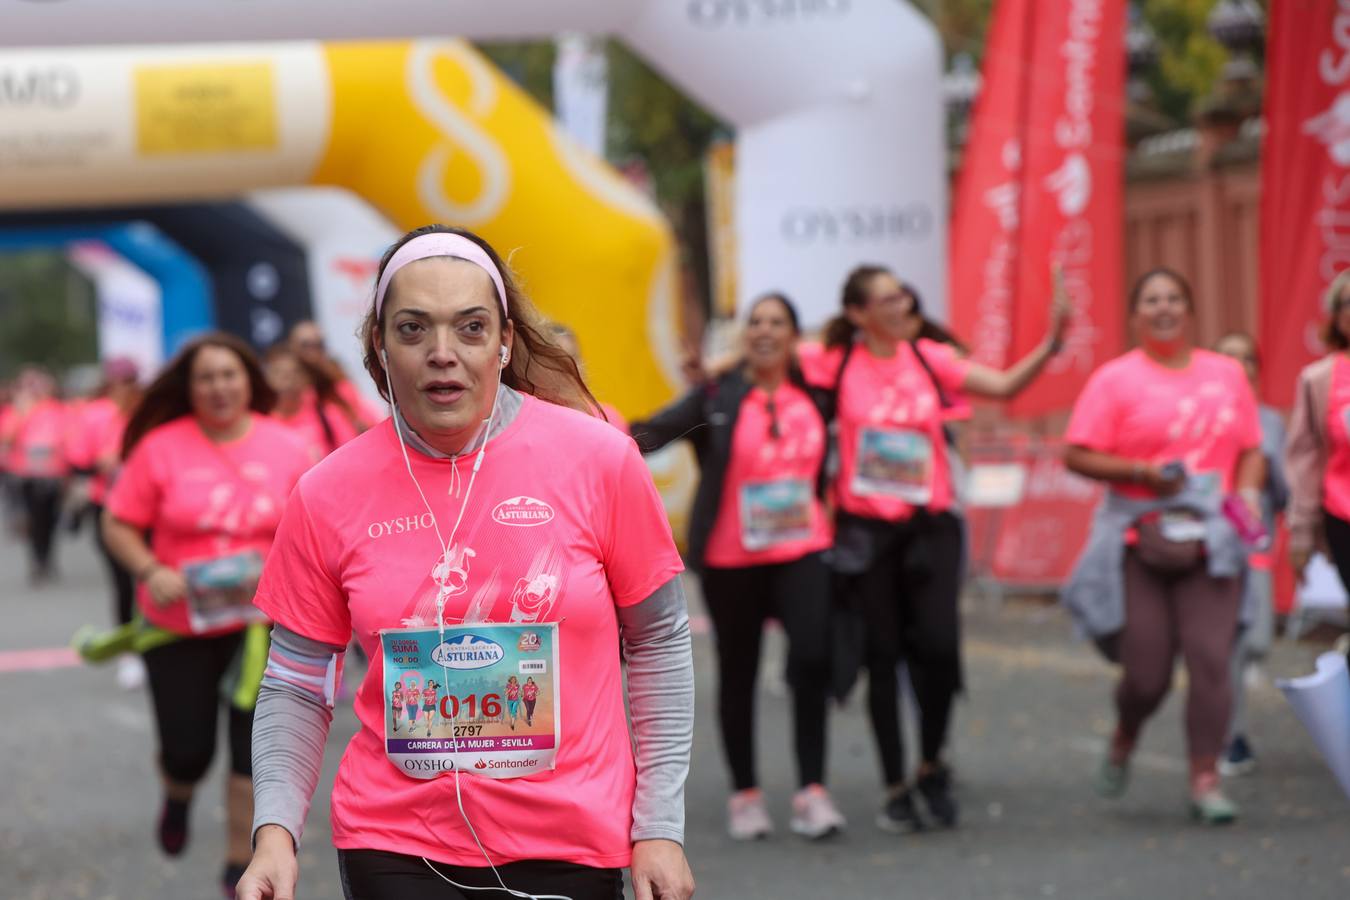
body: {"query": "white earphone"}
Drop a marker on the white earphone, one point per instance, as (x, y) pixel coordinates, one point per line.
(506, 355)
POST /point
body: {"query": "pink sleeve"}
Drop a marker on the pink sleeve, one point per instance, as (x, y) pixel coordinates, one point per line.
(298, 589)
(949, 369)
(637, 548)
(1093, 421)
(136, 496)
(819, 365)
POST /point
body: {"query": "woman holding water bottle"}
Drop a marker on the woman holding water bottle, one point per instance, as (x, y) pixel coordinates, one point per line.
(1174, 431)
(207, 476)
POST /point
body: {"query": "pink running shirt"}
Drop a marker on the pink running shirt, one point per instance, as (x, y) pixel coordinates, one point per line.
(38, 440)
(888, 395)
(758, 459)
(204, 500)
(1203, 415)
(563, 525)
(1336, 481)
(309, 429)
(97, 443)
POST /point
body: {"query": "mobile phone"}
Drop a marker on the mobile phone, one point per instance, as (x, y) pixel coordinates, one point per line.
(1173, 471)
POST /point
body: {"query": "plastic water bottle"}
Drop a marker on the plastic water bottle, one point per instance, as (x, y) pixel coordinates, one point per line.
(1249, 527)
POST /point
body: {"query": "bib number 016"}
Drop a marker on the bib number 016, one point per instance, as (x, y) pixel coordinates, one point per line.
(489, 707)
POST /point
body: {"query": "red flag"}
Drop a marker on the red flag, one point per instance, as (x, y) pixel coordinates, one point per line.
(1305, 182)
(983, 259)
(1072, 201)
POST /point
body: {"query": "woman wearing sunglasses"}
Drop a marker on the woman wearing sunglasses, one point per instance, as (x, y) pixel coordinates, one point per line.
(756, 536)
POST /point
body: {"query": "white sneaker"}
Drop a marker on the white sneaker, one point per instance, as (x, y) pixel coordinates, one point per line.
(814, 814)
(747, 817)
(130, 672)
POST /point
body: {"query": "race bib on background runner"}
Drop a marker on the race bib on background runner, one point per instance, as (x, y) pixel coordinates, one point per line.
(894, 464)
(220, 591)
(473, 725)
(775, 512)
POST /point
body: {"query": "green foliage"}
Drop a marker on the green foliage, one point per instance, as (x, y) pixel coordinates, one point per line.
(1189, 58)
(46, 313)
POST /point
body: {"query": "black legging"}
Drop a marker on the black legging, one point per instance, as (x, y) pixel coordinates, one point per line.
(380, 875)
(1338, 541)
(739, 601)
(42, 506)
(123, 584)
(185, 679)
(910, 603)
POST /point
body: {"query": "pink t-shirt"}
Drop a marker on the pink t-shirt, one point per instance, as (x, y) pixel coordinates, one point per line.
(38, 440)
(1203, 415)
(769, 511)
(615, 418)
(97, 443)
(1336, 482)
(563, 524)
(892, 451)
(306, 425)
(203, 500)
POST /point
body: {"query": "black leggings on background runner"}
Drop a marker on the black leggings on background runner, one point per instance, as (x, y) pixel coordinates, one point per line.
(739, 601)
(910, 603)
(378, 875)
(185, 678)
(1338, 541)
(42, 506)
(123, 583)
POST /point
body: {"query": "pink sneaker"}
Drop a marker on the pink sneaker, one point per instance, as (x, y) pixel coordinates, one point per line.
(814, 815)
(747, 818)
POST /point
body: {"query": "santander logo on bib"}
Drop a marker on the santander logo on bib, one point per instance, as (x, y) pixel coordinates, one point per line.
(522, 512)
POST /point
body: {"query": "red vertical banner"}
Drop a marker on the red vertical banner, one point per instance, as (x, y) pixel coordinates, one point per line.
(1305, 182)
(988, 196)
(1073, 195)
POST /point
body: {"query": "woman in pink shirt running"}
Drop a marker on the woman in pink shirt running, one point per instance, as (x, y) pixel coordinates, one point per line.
(758, 532)
(207, 474)
(35, 441)
(491, 472)
(899, 542)
(1174, 431)
(308, 402)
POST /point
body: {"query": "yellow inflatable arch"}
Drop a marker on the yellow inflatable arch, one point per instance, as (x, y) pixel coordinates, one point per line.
(425, 130)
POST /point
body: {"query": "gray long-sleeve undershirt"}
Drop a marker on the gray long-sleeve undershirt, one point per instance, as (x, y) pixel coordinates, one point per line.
(291, 724)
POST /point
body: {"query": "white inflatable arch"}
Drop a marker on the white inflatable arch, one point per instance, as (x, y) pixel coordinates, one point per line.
(836, 104)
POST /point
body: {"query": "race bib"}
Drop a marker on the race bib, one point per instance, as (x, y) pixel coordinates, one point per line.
(895, 464)
(484, 699)
(775, 512)
(220, 591)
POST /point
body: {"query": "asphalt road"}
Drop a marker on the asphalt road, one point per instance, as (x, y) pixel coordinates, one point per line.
(78, 792)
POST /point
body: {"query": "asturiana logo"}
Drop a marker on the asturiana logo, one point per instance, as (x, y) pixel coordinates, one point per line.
(469, 651)
(522, 512)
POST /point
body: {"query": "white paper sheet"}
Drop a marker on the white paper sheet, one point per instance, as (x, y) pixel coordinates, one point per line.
(1322, 703)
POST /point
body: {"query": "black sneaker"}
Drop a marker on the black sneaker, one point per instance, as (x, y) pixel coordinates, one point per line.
(899, 816)
(936, 790)
(1238, 759)
(173, 827)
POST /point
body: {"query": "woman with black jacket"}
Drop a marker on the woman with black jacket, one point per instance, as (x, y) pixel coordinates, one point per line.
(756, 537)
